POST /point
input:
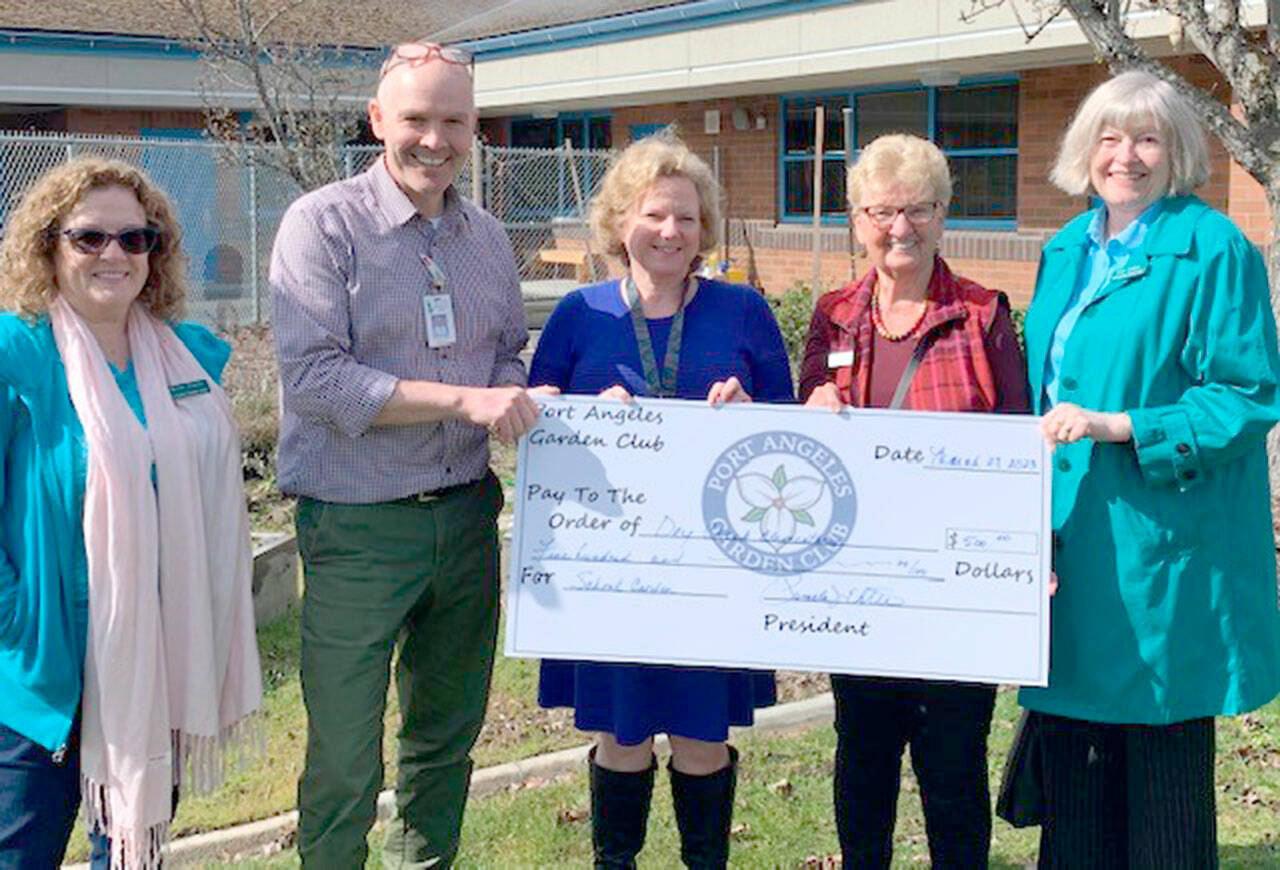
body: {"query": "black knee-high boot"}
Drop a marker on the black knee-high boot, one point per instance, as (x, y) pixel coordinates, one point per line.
(704, 812)
(619, 813)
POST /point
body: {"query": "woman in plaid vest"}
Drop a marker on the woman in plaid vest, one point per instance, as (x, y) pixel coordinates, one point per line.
(911, 334)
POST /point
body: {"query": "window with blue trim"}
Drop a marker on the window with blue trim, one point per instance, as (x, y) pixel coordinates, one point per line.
(976, 126)
(641, 131)
(584, 130)
(799, 145)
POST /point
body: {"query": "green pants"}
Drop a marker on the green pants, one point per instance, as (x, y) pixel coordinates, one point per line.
(423, 576)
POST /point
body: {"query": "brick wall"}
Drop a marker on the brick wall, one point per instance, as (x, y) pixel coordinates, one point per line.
(1047, 100)
(780, 269)
(1006, 261)
(1248, 206)
(1048, 97)
(129, 122)
(748, 158)
(1247, 202)
(1015, 277)
(783, 256)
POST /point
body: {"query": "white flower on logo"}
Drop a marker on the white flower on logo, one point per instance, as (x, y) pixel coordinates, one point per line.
(779, 504)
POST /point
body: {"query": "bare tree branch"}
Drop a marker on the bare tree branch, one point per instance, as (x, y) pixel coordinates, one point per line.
(1045, 13)
(304, 92)
(1228, 51)
(1249, 60)
(1253, 72)
(1273, 27)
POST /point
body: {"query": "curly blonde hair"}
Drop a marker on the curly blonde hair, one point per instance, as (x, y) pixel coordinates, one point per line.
(634, 172)
(27, 280)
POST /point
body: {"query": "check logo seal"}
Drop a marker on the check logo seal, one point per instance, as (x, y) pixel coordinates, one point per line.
(779, 503)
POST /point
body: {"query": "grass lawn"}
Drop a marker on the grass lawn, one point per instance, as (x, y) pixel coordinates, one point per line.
(783, 815)
(515, 727)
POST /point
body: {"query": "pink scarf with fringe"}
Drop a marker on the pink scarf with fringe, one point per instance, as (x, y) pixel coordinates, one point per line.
(171, 667)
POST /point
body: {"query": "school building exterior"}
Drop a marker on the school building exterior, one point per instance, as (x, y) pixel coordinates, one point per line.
(740, 78)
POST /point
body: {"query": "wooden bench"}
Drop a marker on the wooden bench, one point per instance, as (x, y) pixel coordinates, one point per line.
(575, 257)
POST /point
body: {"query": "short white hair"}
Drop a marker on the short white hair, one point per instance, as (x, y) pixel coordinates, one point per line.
(900, 158)
(1124, 102)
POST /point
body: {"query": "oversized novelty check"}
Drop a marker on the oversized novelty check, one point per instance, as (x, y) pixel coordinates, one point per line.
(897, 543)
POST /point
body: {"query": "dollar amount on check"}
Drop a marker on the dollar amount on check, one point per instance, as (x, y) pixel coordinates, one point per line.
(897, 543)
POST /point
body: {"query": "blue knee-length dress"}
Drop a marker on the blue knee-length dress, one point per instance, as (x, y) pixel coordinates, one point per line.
(589, 345)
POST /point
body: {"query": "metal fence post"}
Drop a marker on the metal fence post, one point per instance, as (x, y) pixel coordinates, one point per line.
(477, 172)
(253, 241)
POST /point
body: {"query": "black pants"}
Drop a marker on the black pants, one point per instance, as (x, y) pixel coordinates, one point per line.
(946, 725)
(1128, 797)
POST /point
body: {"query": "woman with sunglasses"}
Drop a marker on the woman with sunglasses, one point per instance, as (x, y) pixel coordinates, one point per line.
(127, 649)
(911, 334)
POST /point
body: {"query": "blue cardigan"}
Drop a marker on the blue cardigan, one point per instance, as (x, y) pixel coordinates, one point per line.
(44, 596)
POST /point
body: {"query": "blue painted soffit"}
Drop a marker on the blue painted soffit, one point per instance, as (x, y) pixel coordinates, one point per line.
(121, 45)
(108, 43)
(632, 25)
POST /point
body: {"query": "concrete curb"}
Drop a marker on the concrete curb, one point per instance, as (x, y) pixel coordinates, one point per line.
(256, 835)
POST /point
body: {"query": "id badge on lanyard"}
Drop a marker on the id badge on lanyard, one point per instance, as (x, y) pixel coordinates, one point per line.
(437, 308)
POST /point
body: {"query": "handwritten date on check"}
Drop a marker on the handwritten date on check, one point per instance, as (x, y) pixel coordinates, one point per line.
(897, 543)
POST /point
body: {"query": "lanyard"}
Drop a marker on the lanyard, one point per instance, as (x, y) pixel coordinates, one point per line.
(434, 273)
(662, 384)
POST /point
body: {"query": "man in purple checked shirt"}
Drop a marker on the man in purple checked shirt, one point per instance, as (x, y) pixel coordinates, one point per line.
(397, 317)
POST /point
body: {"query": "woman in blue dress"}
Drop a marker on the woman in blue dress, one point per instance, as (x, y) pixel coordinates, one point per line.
(660, 331)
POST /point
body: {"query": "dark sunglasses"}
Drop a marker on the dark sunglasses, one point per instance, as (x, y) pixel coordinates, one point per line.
(418, 53)
(135, 240)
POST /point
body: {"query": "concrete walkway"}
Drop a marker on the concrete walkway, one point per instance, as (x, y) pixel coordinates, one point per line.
(254, 835)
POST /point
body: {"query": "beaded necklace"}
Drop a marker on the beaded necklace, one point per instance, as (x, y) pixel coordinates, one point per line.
(877, 320)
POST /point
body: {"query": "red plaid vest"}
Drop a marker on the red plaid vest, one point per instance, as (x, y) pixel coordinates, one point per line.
(954, 374)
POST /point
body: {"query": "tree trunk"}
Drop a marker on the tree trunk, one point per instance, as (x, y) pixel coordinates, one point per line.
(1273, 275)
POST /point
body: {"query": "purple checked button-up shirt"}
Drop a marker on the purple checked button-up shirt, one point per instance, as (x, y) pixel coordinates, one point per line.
(347, 281)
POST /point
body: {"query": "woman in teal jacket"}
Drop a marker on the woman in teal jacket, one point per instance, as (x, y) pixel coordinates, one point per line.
(1152, 356)
(127, 654)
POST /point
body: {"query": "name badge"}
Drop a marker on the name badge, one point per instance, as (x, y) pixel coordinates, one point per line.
(838, 358)
(189, 389)
(438, 310)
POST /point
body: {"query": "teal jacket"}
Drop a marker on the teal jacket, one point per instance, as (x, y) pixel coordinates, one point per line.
(1166, 608)
(44, 596)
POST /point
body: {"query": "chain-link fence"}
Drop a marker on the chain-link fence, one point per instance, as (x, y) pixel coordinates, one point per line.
(230, 208)
(540, 195)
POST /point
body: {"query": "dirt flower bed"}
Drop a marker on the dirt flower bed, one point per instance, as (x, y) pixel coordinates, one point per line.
(252, 382)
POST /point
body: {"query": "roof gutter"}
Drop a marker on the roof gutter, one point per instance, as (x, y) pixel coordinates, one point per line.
(59, 41)
(633, 25)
